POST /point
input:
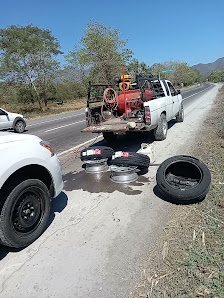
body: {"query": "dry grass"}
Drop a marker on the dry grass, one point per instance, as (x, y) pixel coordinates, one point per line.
(188, 260)
(32, 111)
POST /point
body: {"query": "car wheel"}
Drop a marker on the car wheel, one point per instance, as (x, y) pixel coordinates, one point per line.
(183, 179)
(160, 132)
(19, 126)
(127, 159)
(96, 152)
(180, 116)
(25, 213)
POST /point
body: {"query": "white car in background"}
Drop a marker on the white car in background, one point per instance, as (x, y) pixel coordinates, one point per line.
(14, 121)
(30, 175)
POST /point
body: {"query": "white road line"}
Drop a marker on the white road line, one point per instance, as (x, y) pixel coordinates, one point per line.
(196, 93)
(64, 126)
(78, 146)
(55, 119)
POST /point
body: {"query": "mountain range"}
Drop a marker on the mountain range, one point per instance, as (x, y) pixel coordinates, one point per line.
(206, 69)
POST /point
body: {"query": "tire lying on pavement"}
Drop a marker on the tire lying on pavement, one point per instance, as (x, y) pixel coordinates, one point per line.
(183, 179)
(127, 159)
(96, 152)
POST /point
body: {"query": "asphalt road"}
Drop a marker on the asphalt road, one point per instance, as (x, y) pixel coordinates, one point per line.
(64, 131)
(100, 233)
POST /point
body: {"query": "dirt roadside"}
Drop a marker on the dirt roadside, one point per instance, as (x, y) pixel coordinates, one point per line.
(188, 259)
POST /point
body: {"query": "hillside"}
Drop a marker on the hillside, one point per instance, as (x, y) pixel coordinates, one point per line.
(206, 69)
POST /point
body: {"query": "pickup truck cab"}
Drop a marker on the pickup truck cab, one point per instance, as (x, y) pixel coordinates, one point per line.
(147, 104)
(30, 175)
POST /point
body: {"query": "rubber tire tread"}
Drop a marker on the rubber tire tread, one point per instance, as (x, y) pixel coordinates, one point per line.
(180, 117)
(158, 131)
(106, 152)
(138, 160)
(6, 236)
(195, 194)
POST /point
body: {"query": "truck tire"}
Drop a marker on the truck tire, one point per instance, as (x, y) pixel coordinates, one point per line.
(19, 126)
(160, 132)
(96, 152)
(25, 213)
(183, 179)
(128, 159)
(110, 137)
(180, 116)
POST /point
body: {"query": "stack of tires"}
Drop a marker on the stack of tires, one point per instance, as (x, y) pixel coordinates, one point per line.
(123, 164)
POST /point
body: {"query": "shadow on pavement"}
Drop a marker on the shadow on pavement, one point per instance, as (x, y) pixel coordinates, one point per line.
(57, 206)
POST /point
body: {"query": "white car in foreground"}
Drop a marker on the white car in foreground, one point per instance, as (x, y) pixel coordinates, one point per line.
(14, 121)
(30, 175)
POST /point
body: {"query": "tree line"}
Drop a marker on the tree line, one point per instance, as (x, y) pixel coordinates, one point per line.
(30, 70)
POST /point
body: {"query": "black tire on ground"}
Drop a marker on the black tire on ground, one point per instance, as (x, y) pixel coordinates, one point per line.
(160, 132)
(138, 160)
(183, 179)
(96, 152)
(19, 126)
(25, 213)
(110, 137)
(180, 116)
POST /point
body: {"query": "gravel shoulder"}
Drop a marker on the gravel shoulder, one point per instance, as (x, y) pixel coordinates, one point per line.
(188, 259)
(101, 233)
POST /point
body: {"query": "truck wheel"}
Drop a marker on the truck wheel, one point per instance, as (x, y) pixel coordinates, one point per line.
(160, 132)
(19, 126)
(110, 137)
(25, 213)
(180, 116)
(96, 152)
(183, 179)
(128, 159)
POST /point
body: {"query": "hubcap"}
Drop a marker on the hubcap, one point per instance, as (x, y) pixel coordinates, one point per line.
(164, 127)
(19, 126)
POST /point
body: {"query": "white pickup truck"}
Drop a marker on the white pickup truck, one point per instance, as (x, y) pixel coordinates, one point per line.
(30, 175)
(148, 104)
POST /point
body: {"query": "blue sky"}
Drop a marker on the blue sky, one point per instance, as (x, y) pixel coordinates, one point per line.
(158, 31)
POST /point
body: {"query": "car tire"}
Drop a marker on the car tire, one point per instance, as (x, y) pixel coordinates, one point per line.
(180, 116)
(96, 152)
(128, 159)
(25, 213)
(183, 179)
(110, 137)
(19, 126)
(160, 132)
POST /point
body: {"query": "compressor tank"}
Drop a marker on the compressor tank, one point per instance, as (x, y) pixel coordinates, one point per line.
(133, 100)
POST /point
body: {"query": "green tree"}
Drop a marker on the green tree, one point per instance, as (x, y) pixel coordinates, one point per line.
(101, 53)
(135, 67)
(28, 56)
(216, 76)
(182, 74)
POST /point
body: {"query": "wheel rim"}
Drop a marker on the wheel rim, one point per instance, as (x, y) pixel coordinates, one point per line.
(164, 127)
(20, 126)
(27, 212)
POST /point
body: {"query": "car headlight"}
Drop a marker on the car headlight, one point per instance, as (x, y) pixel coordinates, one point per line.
(47, 146)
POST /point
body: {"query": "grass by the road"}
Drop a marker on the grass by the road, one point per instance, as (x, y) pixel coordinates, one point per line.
(188, 260)
(33, 111)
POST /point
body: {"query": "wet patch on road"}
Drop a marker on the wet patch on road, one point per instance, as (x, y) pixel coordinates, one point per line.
(101, 183)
